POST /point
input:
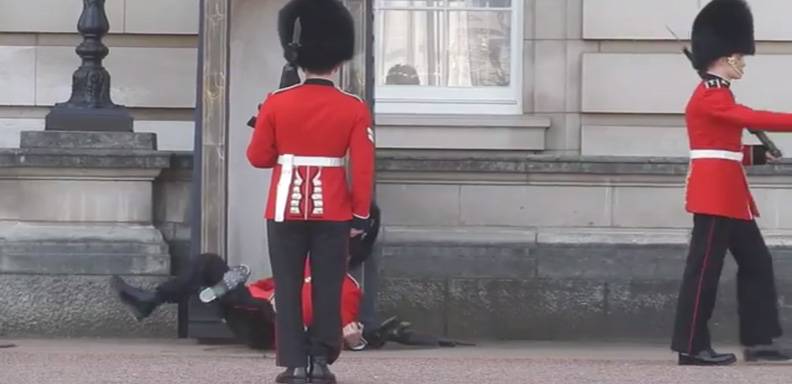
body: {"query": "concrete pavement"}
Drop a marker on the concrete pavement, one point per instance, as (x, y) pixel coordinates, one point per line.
(82, 361)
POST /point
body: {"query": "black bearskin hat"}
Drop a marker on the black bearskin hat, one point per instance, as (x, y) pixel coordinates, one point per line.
(360, 247)
(722, 28)
(327, 33)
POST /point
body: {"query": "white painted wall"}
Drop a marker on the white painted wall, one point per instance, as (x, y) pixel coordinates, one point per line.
(255, 68)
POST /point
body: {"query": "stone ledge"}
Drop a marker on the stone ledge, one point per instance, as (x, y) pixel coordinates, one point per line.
(572, 236)
(82, 158)
(53, 258)
(88, 140)
(181, 160)
(51, 249)
(549, 164)
(497, 162)
(15, 231)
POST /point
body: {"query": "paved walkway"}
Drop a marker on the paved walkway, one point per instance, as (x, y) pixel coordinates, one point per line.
(183, 361)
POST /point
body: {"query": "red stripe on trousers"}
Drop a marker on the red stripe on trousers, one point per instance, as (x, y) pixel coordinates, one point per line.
(700, 285)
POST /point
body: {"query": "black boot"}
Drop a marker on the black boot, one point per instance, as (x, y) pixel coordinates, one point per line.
(140, 301)
(320, 371)
(707, 357)
(293, 376)
(767, 353)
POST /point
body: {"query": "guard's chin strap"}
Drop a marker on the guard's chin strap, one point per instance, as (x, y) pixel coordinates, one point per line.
(730, 61)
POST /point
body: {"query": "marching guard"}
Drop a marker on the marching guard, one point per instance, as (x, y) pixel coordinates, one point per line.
(719, 197)
(303, 133)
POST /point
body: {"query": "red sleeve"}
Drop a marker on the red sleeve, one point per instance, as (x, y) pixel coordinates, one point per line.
(350, 301)
(361, 153)
(721, 105)
(262, 152)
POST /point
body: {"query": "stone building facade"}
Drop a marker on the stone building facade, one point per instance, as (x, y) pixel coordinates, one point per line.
(547, 206)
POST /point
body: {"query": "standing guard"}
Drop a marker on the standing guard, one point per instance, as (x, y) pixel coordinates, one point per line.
(303, 133)
(719, 197)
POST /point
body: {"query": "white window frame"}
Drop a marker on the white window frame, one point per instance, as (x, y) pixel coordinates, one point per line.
(415, 99)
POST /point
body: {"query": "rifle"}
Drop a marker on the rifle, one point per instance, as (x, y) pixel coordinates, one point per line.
(771, 147)
(395, 330)
(289, 75)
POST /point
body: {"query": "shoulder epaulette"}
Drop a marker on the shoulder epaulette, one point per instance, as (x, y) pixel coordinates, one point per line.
(356, 97)
(277, 91)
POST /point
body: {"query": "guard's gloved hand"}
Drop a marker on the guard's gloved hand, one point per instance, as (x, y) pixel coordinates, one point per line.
(360, 226)
(252, 122)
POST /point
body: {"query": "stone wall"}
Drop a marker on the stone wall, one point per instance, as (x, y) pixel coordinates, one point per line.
(532, 256)
(635, 82)
(587, 67)
(152, 61)
(547, 247)
(71, 218)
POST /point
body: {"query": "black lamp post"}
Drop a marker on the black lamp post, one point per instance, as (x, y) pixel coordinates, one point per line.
(90, 107)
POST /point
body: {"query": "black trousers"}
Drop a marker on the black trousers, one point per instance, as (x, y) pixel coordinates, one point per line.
(326, 244)
(207, 271)
(756, 292)
(251, 320)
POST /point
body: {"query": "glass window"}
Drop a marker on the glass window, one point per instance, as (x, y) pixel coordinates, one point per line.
(448, 56)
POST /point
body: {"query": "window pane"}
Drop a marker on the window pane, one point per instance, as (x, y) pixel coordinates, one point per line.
(409, 3)
(480, 3)
(410, 49)
(479, 49)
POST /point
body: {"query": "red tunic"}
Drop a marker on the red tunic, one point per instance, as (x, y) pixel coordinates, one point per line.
(717, 186)
(315, 120)
(350, 297)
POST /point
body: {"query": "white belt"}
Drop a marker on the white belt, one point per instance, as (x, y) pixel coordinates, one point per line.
(288, 162)
(716, 154)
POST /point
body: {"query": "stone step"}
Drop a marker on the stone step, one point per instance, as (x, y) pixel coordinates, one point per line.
(54, 279)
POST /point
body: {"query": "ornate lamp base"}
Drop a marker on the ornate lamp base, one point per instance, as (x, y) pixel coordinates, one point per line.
(69, 118)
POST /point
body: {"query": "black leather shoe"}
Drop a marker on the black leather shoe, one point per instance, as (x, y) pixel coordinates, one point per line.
(293, 376)
(767, 353)
(707, 357)
(320, 371)
(140, 301)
